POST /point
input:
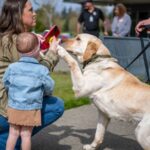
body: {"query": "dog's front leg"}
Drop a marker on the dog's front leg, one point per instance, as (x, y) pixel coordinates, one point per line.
(100, 131)
(76, 74)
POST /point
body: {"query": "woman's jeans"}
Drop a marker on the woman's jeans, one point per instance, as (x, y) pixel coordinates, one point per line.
(53, 108)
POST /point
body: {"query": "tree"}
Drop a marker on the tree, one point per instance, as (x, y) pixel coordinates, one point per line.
(65, 27)
(47, 8)
(41, 21)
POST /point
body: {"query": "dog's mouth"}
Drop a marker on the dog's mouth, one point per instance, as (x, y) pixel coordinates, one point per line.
(72, 53)
(67, 49)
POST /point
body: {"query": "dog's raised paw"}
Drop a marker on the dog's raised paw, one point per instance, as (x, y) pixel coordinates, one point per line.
(88, 147)
(61, 51)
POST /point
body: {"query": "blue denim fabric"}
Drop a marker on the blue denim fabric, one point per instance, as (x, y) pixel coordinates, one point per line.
(52, 109)
(27, 82)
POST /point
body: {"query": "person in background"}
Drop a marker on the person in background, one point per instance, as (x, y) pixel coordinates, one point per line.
(107, 24)
(26, 82)
(140, 25)
(121, 23)
(89, 18)
(17, 16)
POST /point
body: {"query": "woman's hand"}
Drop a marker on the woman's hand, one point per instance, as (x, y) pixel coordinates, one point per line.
(52, 49)
(139, 27)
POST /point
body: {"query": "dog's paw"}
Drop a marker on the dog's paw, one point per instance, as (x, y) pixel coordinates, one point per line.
(61, 51)
(88, 147)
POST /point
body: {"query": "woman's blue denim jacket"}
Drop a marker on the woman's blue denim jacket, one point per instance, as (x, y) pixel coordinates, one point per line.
(27, 82)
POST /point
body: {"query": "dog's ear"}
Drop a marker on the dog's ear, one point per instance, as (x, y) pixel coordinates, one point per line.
(103, 50)
(91, 49)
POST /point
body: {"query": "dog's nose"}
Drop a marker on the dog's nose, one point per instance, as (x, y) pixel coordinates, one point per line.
(62, 44)
(63, 40)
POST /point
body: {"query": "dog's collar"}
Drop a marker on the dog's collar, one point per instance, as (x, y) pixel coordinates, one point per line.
(94, 58)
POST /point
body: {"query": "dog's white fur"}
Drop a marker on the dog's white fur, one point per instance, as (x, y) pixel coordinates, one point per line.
(115, 92)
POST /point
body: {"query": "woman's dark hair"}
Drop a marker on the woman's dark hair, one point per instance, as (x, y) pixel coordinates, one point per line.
(10, 18)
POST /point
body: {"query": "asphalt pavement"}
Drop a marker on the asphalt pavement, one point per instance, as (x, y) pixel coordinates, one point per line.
(77, 127)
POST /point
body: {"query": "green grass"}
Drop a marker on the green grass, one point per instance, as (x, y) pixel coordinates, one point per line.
(63, 89)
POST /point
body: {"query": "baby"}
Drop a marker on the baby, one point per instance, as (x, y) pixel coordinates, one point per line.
(27, 82)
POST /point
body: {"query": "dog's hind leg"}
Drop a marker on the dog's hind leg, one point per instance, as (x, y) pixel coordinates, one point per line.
(143, 132)
(103, 121)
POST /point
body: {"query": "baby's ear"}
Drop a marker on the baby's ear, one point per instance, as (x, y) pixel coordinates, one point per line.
(91, 49)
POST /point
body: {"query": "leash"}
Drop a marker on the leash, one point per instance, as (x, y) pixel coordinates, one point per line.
(144, 49)
(145, 61)
(146, 28)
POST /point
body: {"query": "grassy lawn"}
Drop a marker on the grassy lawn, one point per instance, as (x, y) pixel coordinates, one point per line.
(63, 89)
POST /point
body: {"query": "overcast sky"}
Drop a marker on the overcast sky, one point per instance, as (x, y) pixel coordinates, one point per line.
(59, 4)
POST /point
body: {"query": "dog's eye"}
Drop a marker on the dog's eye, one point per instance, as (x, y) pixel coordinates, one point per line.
(78, 39)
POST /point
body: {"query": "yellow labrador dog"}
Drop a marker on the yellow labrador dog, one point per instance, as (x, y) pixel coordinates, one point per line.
(115, 92)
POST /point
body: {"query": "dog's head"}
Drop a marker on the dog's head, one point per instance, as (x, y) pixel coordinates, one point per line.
(84, 46)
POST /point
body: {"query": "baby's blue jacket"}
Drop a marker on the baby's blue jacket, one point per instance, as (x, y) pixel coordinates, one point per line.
(27, 82)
